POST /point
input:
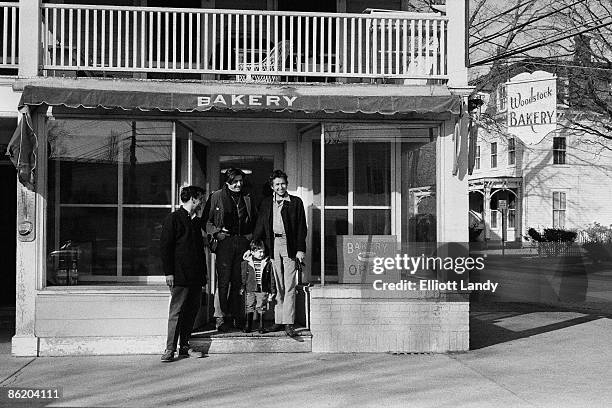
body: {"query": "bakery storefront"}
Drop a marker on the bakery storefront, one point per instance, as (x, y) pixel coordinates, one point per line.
(382, 171)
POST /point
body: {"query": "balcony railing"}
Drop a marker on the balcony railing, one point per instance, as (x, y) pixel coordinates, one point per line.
(9, 18)
(246, 45)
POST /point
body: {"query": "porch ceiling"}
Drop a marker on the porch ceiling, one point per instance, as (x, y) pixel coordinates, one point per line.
(202, 96)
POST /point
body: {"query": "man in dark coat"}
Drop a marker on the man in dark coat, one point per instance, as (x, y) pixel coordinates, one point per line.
(184, 264)
(230, 217)
(281, 224)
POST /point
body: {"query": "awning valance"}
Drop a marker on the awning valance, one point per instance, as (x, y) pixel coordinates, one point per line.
(173, 97)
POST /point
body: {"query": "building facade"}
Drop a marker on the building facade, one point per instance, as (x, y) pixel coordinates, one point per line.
(556, 183)
(122, 104)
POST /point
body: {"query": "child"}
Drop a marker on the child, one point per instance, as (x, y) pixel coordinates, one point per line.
(257, 282)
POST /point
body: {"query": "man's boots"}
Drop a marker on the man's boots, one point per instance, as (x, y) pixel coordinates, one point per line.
(249, 323)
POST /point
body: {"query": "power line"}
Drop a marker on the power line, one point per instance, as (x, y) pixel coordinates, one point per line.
(555, 65)
(502, 13)
(529, 47)
(504, 32)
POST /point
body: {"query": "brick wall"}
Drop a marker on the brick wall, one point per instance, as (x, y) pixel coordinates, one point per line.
(344, 318)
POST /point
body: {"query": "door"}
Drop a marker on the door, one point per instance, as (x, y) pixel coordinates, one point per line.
(256, 160)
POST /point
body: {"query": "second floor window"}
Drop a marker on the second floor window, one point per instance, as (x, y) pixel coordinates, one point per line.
(559, 150)
(559, 208)
(477, 158)
(493, 155)
(511, 151)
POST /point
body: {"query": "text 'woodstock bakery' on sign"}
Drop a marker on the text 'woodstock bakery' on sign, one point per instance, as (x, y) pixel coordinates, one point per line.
(246, 100)
(532, 106)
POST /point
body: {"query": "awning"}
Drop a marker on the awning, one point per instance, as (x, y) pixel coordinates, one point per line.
(22, 149)
(202, 97)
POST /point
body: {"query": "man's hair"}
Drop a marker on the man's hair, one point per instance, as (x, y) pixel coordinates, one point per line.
(231, 173)
(278, 174)
(257, 244)
(189, 192)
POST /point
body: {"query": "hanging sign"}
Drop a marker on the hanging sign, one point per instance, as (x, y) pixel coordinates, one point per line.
(532, 106)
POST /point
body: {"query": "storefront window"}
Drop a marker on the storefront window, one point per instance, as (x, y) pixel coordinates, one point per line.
(109, 189)
(379, 188)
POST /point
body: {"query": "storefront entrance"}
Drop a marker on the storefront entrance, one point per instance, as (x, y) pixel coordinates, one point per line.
(256, 160)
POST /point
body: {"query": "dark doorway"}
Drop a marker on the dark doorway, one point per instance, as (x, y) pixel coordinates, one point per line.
(8, 213)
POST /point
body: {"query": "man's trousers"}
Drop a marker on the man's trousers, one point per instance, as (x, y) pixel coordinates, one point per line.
(229, 280)
(285, 275)
(184, 305)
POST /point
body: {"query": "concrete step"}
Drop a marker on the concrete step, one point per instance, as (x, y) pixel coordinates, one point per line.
(212, 342)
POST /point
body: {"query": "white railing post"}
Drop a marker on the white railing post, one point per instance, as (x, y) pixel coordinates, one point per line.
(29, 38)
(456, 43)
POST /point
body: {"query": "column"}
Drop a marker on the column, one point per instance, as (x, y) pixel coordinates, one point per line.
(30, 254)
(487, 210)
(457, 34)
(29, 38)
(451, 190)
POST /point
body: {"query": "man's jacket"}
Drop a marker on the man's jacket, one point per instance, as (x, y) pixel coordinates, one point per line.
(249, 281)
(294, 221)
(182, 249)
(219, 206)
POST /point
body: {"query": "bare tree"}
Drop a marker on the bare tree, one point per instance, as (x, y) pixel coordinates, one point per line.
(571, 38)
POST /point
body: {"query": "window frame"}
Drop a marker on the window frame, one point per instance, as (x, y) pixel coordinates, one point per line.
(117, 280)
(493, 155)
(561, 211)
(435, 129)
(477, 158)
(559, 151)
(511, 151)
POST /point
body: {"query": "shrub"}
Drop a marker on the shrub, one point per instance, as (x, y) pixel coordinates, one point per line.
(552, 241)
(559, 235)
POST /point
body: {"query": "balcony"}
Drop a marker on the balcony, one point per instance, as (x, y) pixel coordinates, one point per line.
(257, 46)
(9, 18)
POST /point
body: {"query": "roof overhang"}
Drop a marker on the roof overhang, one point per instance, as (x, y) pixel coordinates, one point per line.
(182, 97)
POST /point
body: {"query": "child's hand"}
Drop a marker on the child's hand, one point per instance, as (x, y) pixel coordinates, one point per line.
(241, 291)
(270, 297)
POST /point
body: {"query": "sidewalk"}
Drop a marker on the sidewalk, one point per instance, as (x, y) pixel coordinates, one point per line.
(533, 359)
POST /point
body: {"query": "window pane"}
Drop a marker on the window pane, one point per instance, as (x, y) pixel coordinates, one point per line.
(556, 201)
(91, 233)
(372, 222)
(372, 164)
(316, 171)
(418, 187)
(83, 157)
(336, 223)
(562, 201)
(147, 163)
(141, 232)
(199, 164)
(561, 219)
(511, 218)
(493, 218)
(336, 174)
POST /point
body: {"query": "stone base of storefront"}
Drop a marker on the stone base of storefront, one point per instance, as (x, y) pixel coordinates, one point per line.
(354, 318)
